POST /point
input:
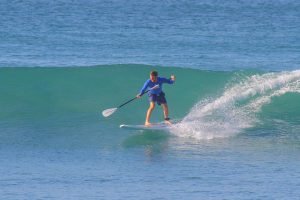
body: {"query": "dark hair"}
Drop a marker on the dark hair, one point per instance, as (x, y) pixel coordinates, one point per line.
(153, 73)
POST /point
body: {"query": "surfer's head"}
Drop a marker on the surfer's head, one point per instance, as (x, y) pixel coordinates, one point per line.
(153, 76)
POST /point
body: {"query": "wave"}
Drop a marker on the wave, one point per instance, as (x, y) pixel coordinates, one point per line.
(211, 104)
(238, 107)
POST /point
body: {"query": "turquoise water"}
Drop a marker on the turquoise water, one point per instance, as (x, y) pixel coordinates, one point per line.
(237, 92)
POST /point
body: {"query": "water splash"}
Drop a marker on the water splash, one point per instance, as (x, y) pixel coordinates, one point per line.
(237, 107)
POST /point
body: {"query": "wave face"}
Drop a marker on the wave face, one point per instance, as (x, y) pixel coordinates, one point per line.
(38, 93)
(212, 104)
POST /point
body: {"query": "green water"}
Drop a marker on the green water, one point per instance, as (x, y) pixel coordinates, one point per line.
(37, 93)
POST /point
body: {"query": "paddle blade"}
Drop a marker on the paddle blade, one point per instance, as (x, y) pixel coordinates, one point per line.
(108, 112)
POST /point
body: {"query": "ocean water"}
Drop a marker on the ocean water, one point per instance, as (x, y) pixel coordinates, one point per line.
(237, 94)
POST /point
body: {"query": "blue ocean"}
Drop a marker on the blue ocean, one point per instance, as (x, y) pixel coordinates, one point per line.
(236, 96)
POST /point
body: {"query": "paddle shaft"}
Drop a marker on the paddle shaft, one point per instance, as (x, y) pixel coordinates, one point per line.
(132, 99)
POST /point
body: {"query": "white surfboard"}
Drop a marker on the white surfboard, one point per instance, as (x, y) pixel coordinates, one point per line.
(157, 127)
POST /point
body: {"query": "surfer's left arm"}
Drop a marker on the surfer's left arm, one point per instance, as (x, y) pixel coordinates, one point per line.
(173, 78)
(170, 80)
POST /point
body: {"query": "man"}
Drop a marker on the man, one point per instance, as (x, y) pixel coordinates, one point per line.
(156, 95)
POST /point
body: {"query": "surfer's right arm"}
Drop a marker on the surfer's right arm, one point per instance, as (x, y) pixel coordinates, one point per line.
(144, 88)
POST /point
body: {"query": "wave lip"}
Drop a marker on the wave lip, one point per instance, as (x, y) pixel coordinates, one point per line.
(237, 107)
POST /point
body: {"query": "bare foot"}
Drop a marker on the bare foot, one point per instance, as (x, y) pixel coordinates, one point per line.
(168, 122)
(148, 124)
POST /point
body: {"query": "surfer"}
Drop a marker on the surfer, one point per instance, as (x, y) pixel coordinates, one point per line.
(156, 95)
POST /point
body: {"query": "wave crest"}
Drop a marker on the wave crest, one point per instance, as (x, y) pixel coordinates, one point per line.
(236, 108)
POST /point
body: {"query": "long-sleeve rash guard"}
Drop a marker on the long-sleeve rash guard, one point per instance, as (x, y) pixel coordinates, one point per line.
(150, 84)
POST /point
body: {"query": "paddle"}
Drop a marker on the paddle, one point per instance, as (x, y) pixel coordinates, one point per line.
(108, 112)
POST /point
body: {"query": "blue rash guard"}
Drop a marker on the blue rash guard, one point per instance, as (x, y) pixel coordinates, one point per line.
(149, 84)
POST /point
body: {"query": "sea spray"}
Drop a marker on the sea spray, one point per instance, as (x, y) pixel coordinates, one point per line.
(236, 108)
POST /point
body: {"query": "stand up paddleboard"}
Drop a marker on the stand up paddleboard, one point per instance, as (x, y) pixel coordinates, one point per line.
(162, 126)
(156, 127)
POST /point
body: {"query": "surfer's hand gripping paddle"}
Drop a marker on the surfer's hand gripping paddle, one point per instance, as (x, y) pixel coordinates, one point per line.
(110, 111)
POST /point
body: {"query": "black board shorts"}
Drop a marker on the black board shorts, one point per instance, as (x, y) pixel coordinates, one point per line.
(159, 99)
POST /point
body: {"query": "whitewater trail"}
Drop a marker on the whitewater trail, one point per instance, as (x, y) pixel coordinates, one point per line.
(236, 109)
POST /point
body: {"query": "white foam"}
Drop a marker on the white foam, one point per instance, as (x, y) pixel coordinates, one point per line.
(235, 109)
